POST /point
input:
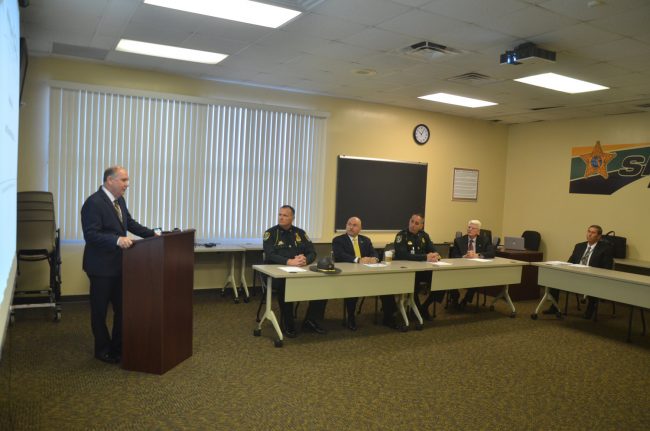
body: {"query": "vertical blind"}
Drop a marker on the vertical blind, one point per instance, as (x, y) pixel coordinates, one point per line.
(221, 169)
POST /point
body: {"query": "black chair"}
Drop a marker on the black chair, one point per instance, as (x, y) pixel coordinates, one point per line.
(532, 240)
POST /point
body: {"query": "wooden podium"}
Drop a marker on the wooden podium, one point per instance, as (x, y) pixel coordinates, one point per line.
(157, 284)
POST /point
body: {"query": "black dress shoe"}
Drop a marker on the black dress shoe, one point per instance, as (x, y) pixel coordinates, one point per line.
(551, 310)
(352, 324)
(109, 358)
(391, 322)
(313, 326)
(290, 329)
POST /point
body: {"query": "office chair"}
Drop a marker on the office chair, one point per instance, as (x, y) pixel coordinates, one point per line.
(532, 240)
(37, 239)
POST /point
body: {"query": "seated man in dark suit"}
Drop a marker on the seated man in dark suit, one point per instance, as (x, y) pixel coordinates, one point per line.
(471, 246)
(355, 248)
(592, 252)
(415, 244)
(286, 244)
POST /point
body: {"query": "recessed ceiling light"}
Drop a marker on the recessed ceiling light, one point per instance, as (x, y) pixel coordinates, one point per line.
(174, 52)
(457, 100)
(556, 82)
(250, 12)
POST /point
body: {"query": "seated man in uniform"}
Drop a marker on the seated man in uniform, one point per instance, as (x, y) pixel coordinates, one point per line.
(414, 244)
(471, 246)
(354, 248)
(592, 252)
(289, 245)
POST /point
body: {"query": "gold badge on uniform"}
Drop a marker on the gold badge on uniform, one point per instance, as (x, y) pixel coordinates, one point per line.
(280, 242)
(267, 235)
(409, 243)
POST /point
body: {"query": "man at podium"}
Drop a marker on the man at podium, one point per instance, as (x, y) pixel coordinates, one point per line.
(105, 221)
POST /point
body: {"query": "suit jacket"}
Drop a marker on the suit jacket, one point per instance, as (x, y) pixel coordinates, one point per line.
(481, 247)
(102, 227)
(344, 252)
(601, 256)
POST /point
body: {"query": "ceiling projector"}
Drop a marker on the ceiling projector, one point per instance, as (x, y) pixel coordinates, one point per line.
(526, 52)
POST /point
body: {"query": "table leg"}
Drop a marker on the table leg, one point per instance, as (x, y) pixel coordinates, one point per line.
(270, 315)
(546, 297)
(230, 279)
(505, 295)
(242, 277)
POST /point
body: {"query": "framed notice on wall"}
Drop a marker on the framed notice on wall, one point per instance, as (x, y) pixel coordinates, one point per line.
(465, 185)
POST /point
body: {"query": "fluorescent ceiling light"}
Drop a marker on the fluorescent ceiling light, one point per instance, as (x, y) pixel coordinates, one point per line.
(166, 51)
(250, 12)
(557, 82)
(457, 100)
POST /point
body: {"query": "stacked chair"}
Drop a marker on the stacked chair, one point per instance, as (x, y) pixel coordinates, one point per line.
(38, 240)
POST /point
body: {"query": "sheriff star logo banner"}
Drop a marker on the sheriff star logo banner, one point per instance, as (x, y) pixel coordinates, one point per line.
(603, 169)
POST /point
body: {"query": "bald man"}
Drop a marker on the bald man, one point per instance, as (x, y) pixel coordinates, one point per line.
(354, 248)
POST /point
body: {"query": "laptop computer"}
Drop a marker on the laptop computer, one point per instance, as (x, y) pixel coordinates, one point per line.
(514, 243)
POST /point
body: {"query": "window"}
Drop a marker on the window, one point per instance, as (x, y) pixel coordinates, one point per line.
(222, 169)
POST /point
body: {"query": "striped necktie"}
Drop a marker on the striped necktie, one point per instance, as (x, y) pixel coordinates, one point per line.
(471, 245)
(585, 257)
(118, 211)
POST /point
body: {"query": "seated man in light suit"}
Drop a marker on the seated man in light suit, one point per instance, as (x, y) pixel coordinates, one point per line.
(592, 252)
(471, 246)
(355, 248)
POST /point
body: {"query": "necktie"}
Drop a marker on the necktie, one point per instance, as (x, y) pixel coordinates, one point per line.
(471, 245)
(355, 245)
(118, 210)
(585, 257)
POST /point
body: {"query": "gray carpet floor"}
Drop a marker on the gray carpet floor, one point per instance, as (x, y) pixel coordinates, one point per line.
(464, 370)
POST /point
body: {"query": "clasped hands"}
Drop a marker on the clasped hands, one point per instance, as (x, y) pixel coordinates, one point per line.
(299, 260)
(433, 257)
(368, 260)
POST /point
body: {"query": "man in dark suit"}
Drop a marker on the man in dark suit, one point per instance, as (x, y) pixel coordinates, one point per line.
(415, 244)
(286, 244)
(105, 221)
(354, 248)
(592, 252)
(471, 246)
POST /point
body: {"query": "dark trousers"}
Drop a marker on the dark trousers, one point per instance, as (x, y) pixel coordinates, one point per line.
(105, 290)
(423, 281)
(315, 310)
(351, 306)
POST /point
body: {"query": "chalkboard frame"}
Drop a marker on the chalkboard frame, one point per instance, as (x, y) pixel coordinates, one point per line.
(382, 193)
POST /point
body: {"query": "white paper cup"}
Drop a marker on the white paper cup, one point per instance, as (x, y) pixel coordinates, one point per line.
(388, 256)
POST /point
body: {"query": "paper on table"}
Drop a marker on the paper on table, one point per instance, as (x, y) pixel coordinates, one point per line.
(481, 260)
(577, 265)
(291, 269)
(440, 263)
(375, 265)
(557, 262)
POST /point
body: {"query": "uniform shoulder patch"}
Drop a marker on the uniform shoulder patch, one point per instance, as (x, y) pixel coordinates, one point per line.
(267, 235)
(398, 238)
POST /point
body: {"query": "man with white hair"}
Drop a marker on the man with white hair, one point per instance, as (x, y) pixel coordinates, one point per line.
(471, 246)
